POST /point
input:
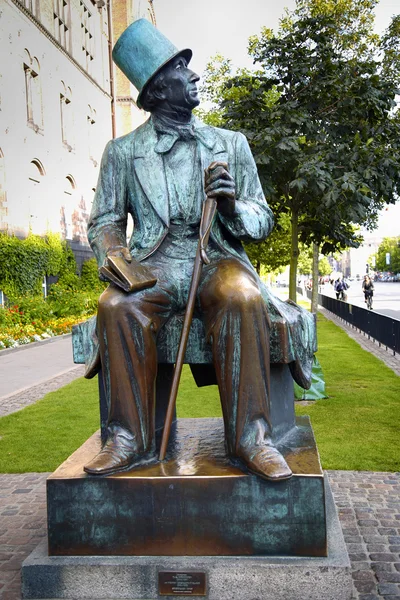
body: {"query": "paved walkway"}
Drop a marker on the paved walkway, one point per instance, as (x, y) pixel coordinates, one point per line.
(368, 505)
(28, 372)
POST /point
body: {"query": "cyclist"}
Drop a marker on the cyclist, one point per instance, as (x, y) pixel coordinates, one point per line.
(368, 289)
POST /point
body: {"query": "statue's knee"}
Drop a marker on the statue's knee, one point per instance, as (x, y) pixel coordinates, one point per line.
(115, 305)
(247, 296)
(112, 300)
(239, 291)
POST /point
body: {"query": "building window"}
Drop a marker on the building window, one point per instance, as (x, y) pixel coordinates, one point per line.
(66, 116)
(87, 35)
(67, 208)
(36, 207)
(80, 218)
(3, 194)
(91, 131)
(152, 13)
(61, 13)
(33, 90)
(33, 7)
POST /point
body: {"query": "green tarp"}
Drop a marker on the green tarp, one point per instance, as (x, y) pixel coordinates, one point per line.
(317, 389)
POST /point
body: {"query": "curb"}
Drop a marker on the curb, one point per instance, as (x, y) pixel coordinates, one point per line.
(33, 344)
(39, 384)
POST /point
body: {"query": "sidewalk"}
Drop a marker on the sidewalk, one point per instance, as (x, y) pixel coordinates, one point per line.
(29, 372)
(368, 503)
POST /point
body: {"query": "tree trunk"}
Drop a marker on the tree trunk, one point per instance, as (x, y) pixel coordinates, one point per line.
(294, 255)
(258, 267)
(314, 297)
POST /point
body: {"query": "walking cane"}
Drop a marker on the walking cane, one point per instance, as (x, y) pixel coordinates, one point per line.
(209, 208)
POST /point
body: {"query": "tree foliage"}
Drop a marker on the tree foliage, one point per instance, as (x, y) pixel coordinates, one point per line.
(389, 245)
(319, 114)
(274, 252)
(217, 92)
(305, 262)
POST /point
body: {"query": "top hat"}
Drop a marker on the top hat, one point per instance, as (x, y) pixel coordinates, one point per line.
(141, 52)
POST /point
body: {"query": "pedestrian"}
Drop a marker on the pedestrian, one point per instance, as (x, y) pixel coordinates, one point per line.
(340, 288)
(337, 286)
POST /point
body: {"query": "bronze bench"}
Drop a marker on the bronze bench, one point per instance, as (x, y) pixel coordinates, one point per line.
(198, 356)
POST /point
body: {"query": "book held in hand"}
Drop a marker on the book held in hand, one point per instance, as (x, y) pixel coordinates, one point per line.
(131, 277)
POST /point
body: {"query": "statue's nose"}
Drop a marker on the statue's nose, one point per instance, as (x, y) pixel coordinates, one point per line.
(194, 77)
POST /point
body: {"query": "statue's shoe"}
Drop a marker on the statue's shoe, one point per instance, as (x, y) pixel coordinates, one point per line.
(118, 454)
(267, 462)
(110, 460)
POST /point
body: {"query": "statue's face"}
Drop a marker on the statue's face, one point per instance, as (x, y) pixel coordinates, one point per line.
(179, 84)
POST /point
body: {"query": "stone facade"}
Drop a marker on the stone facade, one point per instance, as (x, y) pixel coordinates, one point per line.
(127, 115)
(57, 110)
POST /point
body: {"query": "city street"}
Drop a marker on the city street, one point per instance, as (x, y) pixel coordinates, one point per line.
(386, 296)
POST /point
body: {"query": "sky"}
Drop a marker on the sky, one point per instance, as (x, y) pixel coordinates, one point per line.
(209, 27)
(224, 26)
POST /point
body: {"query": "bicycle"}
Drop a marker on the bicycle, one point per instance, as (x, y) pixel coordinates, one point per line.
(368, 299)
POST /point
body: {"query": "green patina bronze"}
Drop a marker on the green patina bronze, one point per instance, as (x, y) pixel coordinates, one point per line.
(198, 503)
(142, 191)
(141, 51)
(163, 174)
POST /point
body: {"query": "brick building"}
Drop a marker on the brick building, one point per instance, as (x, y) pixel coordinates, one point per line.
(60, 102)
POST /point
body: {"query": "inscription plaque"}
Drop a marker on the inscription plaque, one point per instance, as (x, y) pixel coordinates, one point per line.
(181, 583)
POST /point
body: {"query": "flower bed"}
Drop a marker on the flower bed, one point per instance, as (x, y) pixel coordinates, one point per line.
(19, 334)
(27, 316)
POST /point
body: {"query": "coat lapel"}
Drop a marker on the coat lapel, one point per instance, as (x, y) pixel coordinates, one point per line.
(211, 148)
(149, 164)
(149, 168)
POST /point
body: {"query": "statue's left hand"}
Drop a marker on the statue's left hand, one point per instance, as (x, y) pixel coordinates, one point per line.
(219, 184)
(120, 251)
(114, 251)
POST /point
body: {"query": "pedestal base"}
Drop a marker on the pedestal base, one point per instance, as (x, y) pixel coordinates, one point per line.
(227, 578)
(196, 503)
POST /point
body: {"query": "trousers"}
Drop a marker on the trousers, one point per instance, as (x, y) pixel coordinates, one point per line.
(237, 326)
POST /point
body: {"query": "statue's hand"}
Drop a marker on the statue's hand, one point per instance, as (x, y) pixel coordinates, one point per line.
(117, 251)
(219, 184)
(120, 251)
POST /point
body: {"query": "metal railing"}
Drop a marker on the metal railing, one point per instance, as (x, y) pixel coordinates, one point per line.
(384, 330)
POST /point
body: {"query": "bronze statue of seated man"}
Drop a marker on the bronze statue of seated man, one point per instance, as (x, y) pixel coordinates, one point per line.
(156, 174)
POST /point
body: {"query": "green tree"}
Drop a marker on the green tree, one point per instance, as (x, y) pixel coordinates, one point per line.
(324, 266)
(391, 246)
(326, 142)
(216, 91)
(274, 252)
(305, 262)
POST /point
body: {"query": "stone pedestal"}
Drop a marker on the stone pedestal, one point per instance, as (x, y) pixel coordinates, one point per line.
(227, 578)
(113, 537)
(196, 503)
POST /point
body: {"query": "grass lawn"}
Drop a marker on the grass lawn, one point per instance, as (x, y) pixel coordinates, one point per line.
(357, 427)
